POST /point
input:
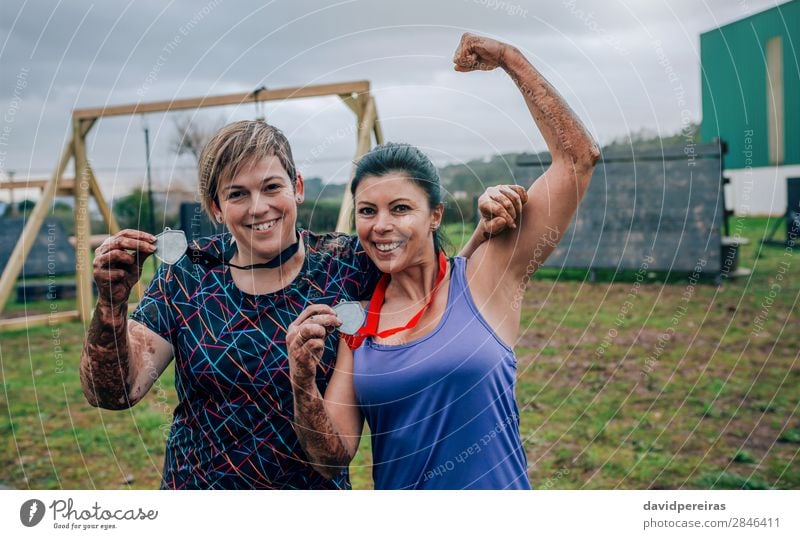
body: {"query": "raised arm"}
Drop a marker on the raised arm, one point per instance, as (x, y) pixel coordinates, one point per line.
(328, 427)
(555, 195)
(499, 266)
(121, 359)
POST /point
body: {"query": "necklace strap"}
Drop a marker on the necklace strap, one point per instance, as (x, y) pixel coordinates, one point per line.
(197, 257)
(370, 327)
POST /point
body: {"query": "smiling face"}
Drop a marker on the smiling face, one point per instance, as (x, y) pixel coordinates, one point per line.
(395, 222)
(259, 207)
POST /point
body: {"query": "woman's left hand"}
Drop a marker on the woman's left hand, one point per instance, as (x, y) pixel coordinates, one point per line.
(500, 206)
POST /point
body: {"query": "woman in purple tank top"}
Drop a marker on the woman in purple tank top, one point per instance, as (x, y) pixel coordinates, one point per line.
(433, 370)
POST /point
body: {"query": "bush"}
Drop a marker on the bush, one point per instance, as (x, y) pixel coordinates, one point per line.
(133, 211)
(459, 211)
(319, 215)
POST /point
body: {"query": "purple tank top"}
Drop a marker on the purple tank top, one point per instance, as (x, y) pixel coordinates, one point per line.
(441, 409)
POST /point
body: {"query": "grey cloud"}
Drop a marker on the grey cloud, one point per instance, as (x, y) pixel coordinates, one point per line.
(599, 54)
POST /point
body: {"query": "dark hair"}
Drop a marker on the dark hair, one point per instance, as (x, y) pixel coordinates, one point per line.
(409, 160)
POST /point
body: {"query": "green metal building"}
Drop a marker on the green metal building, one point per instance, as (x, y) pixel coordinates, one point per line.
(750, 78)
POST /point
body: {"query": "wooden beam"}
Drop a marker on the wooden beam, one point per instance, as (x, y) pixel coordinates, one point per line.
(221, 100)
(23, 246)
(378, 130)
(365, 128)
(102, 205)
(86, 126)
(24, 322)
(83, 270)
(34, 183)
(64, 187)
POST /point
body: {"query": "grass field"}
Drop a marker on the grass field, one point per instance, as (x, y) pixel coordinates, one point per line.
(648, 383)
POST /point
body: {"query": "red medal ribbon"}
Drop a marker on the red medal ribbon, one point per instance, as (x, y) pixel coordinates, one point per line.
(370, 327)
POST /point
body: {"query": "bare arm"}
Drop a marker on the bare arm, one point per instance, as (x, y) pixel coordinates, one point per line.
(121, 359)
(499, 266)
(329, 427)
(555, 195)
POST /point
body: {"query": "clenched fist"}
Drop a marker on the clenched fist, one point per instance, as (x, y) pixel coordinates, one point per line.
(479, 53)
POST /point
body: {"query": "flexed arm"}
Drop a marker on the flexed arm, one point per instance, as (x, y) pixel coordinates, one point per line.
(498, 269)
(554, 196)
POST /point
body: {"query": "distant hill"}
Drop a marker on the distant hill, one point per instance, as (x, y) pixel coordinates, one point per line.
(316, 190)
(475, 176)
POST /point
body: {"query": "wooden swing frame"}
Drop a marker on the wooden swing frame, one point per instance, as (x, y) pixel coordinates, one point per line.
(356, 95)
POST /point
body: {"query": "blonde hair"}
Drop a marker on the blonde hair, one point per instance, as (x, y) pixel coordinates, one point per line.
(234, 146)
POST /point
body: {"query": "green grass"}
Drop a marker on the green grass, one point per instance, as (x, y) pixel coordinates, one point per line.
(52, 438)
(715, 407)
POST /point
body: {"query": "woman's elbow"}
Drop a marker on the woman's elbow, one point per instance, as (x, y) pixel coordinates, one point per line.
(91, 398)
(580, 159)
(108, 403)
(593, 154)
(585, 160)
(582, 167)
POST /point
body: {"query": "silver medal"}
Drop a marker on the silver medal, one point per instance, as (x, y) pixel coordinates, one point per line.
(170, 245)
(352, 315)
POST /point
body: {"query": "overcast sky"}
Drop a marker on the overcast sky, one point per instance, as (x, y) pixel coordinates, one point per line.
(621, 64)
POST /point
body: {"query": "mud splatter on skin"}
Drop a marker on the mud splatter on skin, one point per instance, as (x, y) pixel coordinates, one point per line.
(552, 114)
(106, 369)
(104, 360)
(315, 430)
(110, 358)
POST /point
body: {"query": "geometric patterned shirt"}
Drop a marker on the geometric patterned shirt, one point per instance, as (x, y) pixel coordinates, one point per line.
(232, 427)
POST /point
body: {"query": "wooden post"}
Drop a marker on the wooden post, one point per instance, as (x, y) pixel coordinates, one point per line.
(83, 269)
(108, 215)
(378, 130)
(31, 229)
(11, 202)
(102, 205)
(366, 124)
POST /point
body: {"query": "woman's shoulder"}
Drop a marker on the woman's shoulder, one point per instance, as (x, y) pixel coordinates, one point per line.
(334, 243)
(338, 259)
(214, 244)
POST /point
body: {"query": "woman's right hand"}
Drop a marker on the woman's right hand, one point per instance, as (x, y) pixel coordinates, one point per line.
(305, 341)
(479, 53)
(118, 264)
